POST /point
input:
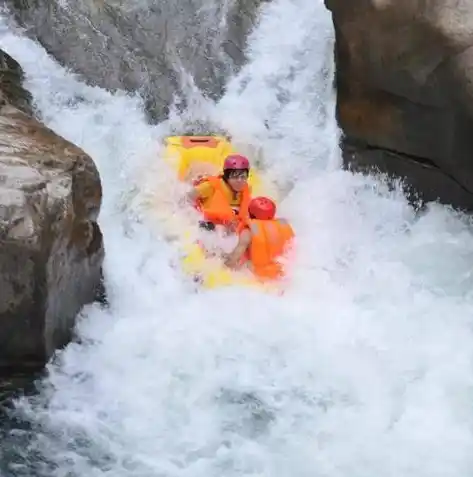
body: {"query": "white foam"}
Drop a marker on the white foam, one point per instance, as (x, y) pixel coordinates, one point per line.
(362, 368)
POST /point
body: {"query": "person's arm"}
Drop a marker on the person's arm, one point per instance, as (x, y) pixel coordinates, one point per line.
(202, 191)
(192, 195)
(234, 257)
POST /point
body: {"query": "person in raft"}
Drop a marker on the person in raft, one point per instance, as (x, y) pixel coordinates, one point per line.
(224, 199)
(262, 240)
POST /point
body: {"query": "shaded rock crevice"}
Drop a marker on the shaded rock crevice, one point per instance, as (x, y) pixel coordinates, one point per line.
(423, 180)
(11, 90)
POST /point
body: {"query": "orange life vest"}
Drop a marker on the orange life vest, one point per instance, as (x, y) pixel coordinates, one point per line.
(268, 242)
(217, 209)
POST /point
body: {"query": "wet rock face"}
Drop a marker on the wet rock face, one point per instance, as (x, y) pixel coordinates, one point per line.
(51, 248)
(11, 91)
(405, 94)
(155, 48)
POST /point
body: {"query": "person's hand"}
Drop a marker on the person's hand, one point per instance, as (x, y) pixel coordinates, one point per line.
(229, 260)
(231, 226)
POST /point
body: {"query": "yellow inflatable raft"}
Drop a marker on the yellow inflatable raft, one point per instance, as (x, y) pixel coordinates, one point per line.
(191, 157)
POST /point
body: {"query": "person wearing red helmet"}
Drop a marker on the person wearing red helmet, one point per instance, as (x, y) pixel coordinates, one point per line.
(224, 199)
(262, 240)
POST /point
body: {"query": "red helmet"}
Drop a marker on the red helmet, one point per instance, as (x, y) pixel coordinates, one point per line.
(236, 161)
(262, 208)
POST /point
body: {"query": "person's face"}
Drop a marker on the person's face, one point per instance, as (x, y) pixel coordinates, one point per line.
(237, 180)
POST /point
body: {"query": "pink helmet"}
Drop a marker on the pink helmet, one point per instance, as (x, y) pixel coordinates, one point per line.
(262, 208)
(236, 161)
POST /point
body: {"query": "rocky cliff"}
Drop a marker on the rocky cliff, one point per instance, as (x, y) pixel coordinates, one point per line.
(405, 94)
(51, 248)
(155, 48)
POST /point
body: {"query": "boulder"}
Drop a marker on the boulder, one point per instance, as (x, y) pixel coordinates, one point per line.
(155, 48)
(405, 92)
(51, 248)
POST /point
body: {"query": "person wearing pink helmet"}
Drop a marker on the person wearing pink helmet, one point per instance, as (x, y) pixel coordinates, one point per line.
(224, 199)
(262, 240)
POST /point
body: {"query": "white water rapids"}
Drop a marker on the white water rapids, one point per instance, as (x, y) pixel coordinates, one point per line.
(363, 368)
